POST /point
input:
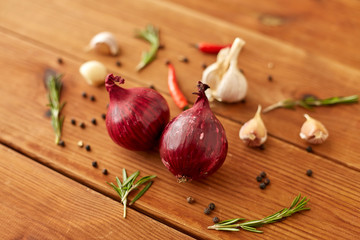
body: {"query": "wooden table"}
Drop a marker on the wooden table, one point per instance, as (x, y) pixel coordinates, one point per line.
(53, 192)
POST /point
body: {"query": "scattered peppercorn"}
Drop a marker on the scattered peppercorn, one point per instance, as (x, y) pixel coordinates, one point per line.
(184, 59)
(309, 172)
(48, 113)
(267, 181)
(93, 121)
(207, 211)
(88, 148)
(204, 65)
(263, 174)
(152, 87)
(167, 62)
(212, 206)
(161, 46)
(270, 78)
(82, 125)
(262, 147)
(73, 121)
(92, 98)
(84, 95)
(242, 71)
(105, 171)
(309, 149)
(262, 185)
(259, 178)
(190, 199)
(61, 143)
(60, 61)
(216, 220)
(94, 164)
(118, 63)
(103, 116)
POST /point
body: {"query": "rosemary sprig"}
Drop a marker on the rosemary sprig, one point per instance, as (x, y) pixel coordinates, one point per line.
(54, 86)
(125, 187)
(311, 101)
(231, 225)
(150, 34)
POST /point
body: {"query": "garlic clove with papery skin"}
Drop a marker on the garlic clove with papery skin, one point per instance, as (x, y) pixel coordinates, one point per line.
(254, 132)
(227, 83)
(313, 131)
(104, 43)
(94, 72)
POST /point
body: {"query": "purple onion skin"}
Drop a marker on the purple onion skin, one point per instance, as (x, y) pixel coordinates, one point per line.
(136, 117)
(194, 145)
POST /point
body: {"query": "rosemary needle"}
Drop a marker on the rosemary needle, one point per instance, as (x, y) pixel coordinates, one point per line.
(54, 86)
(127, 185)
(231, 225)
(151, 35)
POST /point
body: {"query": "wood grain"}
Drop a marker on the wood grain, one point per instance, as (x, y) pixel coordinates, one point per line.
(297, 71)
(54, 207)
(326, 28)
(234, 190)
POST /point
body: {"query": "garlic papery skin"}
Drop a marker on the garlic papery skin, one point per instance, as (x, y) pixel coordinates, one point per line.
(104, 43)
(313, 131)
(227, 83)
(254, 132)
(94, 72)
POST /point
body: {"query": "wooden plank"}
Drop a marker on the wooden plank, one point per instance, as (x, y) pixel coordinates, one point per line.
(297, 72)
(234, 190)
(327, 28)
(38, 203)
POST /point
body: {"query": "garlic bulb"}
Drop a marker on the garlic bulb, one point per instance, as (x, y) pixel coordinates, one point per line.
(253, 132)
(227, 83)
(104, 43)
(313, 131)
(94, 72)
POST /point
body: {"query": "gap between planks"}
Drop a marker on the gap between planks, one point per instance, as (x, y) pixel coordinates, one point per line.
(33, 157)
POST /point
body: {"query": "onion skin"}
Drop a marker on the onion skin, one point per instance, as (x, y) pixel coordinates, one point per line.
(136, 117)
(194, 145)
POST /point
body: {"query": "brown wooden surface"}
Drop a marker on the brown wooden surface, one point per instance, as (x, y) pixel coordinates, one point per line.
(59, 208)
(31, 43)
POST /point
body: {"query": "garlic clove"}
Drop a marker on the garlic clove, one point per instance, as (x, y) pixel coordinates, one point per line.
(233, 86)
(313, 131)
(94, 72)
(254, 132)
(104, 43)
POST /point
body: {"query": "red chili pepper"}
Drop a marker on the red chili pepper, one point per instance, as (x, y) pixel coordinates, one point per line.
(175, 92)
(210, 47)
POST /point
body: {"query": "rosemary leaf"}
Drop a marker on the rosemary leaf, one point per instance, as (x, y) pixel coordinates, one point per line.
(151, 35)
(123, 189)
(230, 221)
(251, 229)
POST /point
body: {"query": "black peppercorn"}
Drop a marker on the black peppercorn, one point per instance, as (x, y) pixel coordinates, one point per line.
(212, 206)
(48, 113)
(204, 65)
(207, 211)
(92, 98)
(84, 95)
(103, 116)
(105, 171)
(152, 87)
(94, 164)
(167, 62)
(61, 143)
(263, 174)
(267, 181)
(88, 148)
(161, 46)
(82, 125)
(262, 185)
(93, 121)
(259, 178)
(118, 63)
(60, 61)
(309, 149)
(216, 220)
(270, 78)
(73, 121)
(309, 172)
(184, 59)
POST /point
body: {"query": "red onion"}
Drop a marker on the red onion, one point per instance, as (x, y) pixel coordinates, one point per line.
(136, 117)
(194, 145)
